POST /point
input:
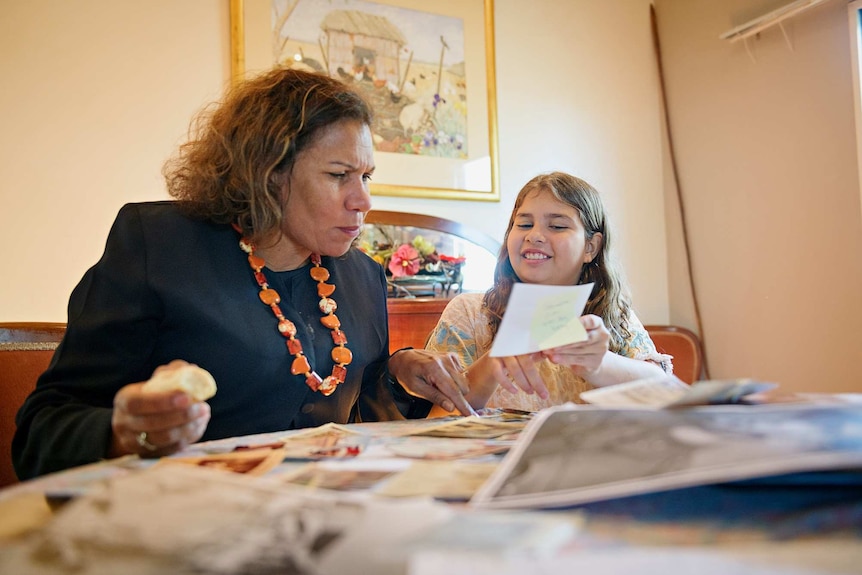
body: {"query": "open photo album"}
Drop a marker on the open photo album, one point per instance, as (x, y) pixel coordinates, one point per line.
(572, 455)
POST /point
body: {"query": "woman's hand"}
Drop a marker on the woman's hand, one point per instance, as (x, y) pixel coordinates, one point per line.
(584, 357)
(153, 424)
(437, 377)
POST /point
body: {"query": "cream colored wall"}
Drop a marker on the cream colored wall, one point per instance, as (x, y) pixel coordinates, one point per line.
(98, 93)
(767, 160)
(95, 95)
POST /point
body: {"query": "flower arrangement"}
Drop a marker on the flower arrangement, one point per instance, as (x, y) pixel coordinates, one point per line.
(415, 259)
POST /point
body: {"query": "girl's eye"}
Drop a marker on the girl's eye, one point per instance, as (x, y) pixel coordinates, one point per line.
(523, 226)
(559, 227)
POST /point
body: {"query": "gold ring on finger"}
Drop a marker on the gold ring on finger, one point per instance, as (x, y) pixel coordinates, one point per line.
(142, 440)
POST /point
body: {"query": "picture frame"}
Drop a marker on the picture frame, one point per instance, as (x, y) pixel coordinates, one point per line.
(436, 134)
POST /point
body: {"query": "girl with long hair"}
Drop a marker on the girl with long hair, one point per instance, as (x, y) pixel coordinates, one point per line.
(558, 234)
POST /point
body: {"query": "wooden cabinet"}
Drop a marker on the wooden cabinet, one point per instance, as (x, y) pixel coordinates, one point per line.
(411, 320)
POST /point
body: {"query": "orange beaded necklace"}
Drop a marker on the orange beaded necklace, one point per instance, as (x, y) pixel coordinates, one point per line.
(300, 366)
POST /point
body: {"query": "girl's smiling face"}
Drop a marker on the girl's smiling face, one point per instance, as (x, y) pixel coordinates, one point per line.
(547, 243)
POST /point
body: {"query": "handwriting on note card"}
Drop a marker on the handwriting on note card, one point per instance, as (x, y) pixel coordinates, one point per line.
(557, 321)
(541, 317)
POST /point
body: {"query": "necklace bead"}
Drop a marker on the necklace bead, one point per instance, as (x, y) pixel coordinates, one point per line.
(341, 355)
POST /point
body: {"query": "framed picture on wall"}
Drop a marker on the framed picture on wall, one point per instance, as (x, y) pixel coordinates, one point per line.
(427, 68)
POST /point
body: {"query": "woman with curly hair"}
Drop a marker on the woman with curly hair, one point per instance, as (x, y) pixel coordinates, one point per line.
(240, 274)
(557, 235)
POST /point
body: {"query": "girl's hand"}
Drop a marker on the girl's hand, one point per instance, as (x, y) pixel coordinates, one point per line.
(519, 373)
(584, 357)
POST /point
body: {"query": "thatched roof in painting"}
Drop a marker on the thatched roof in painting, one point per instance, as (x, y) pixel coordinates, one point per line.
(354, 22)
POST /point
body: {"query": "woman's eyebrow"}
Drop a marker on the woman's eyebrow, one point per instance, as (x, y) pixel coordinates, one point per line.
(349, 166)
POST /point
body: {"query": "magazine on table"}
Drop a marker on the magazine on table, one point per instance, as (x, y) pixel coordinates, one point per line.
(572, 455)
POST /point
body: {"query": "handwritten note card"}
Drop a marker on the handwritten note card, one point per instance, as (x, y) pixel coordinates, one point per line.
(541, 317)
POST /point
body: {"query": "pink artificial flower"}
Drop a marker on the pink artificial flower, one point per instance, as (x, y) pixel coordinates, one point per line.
(404, 262)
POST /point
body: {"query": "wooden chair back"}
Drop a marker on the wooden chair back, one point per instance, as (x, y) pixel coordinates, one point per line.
(26, 349)
(685, 347)
(28, 332)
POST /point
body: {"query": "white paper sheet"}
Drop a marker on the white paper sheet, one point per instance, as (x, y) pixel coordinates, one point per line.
(669, 391)
(540, 317)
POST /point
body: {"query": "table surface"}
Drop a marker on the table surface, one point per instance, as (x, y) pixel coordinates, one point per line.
(637, 534)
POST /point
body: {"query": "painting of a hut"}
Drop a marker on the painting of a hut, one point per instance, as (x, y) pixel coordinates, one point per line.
(364, 45)
(408, 64)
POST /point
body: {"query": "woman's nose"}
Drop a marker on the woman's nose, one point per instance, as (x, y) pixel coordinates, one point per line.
(359, 198)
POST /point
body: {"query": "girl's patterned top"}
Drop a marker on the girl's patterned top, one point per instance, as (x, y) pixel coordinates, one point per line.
(463, 329)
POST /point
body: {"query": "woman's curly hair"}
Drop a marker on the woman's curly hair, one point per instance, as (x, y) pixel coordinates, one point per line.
(609, 298)
(227, 172)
